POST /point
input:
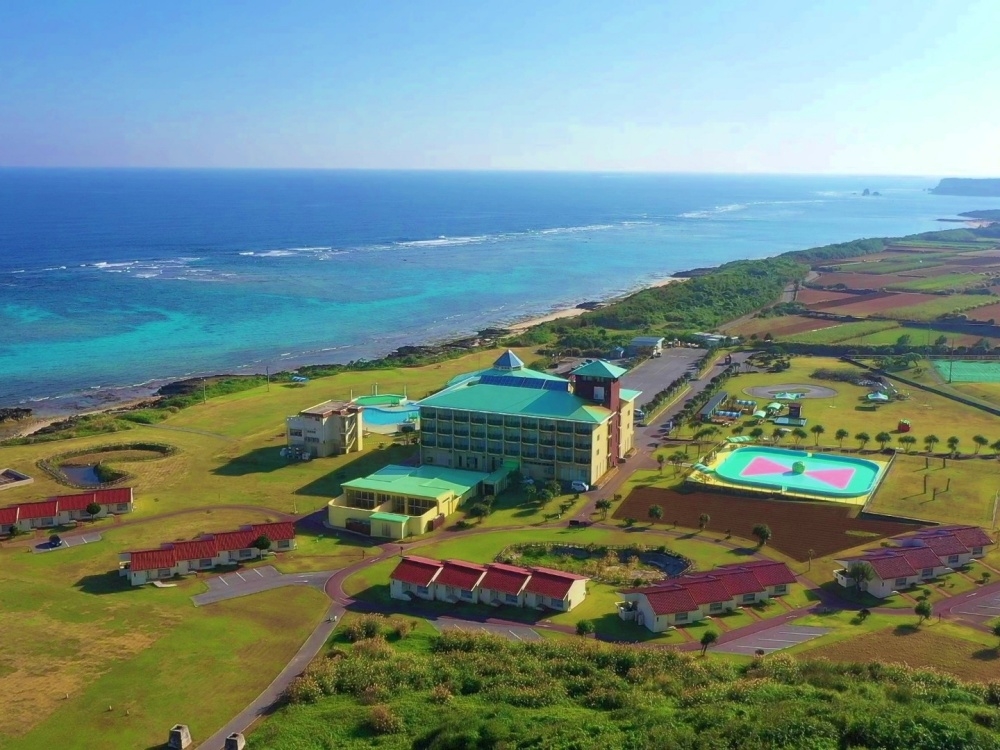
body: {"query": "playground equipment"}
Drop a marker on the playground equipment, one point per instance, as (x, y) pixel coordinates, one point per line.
(903, 425)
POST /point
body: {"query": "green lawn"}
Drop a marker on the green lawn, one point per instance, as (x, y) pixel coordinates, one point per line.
(918, 336)
(939, 283)
(971, 488)
(843, 332)
(941, 305)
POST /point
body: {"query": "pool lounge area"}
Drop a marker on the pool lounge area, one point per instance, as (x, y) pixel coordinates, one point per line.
(792, 473)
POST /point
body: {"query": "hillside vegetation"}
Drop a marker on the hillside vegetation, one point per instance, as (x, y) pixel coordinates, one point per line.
(466, 692)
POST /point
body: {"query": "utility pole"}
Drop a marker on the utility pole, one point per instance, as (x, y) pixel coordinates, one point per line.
(204, 392)
(267, 373)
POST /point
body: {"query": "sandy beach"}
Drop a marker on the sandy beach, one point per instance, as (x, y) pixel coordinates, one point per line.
(572, 312)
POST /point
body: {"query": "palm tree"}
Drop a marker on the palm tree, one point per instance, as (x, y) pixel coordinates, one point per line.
(930, 441)
(603, 505)
(676, 458)
(660, 458)
(758, 432)
(777, 434)
(655, 513)
(703, 520)
(883, 439)
(841, 435)
(995, 447)
(862, 438)
(709, 637)
(981, 442)
(738, 429)
(860, 572)
(953, 442)
(817, 430)
(799, 434)
(907, 442)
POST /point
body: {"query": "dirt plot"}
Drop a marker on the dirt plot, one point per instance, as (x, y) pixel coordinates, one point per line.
(862, 281)
(919, 648)
(988, 312)
(797, 526)
(786, 325)
(811, 297)
(880, 302)
(850, 300)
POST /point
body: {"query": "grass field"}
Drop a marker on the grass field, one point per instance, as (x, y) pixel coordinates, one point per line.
(70, 624)
(941, 305)
(972, 486)
(918, 337)
(845, 332)
(941, 283)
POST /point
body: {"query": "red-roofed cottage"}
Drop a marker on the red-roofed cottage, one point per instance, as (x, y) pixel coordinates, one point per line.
(205, 552)
(690, 598)
(65, 509)
(457, 581)
(954, 545)
(894, 569)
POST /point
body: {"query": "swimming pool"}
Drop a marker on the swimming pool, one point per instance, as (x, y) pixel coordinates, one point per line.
(383, 399)
(390, 416)
(784, 470)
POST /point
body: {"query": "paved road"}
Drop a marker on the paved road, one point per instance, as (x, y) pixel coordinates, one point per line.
(653, 375)
(975, 607)
(255, 580)
(772, 639)
(270, 696)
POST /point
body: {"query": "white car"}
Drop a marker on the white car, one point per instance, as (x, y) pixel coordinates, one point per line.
(579, 486)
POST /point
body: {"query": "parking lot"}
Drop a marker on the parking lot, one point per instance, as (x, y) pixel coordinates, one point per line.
(239, 577)
(68, 541)
(986, 607)
(510, 633)
(653, 375)
(772, 639)
(254, 580)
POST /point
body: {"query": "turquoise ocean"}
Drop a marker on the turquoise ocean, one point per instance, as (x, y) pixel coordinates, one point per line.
(112, 281)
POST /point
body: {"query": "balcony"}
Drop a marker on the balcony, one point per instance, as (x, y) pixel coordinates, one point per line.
(546, 441)
(582, 429)
(564, 443)
(494, 446)
(565, 428)
(546, 426)
(565, 457)
(495, 434)
(461, 431)
(581, 445)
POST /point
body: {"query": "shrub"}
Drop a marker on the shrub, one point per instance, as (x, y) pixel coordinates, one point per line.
(366, 626)
(382, 720)
(441, 694)
(303, 689)
(402, 628)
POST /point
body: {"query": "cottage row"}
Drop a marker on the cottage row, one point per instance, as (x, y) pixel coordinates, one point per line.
(920, 557)
(65, 509)
(690, 598)
(495, 584)
(205, 552)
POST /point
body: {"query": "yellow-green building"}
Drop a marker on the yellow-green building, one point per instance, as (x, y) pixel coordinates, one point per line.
(400, 501)
(574, 429)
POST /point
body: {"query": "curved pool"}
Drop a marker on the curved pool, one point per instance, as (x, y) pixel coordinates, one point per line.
(383, 417)
(384, 399)
(784, 470)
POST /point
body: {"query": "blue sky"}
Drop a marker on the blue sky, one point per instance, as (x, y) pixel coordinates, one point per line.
(888, 87)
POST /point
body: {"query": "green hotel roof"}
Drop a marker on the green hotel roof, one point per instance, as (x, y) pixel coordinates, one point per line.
(418, 481)
(627, 394)
(522, 372)
(600, 369)
(390, 517)
(527, 402)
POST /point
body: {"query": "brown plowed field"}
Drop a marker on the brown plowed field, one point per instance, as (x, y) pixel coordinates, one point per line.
(816, 296)
(853, 299)
(786, 325)
(797, 526)
(879, 302)
(984, 313)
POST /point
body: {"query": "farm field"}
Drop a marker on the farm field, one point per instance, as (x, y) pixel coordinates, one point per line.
(984, 313)
(966, 489)
(989, 392)
(845, 332)
(933, 306)
(811, 297)
(943, 282)
(785, 325)
(830, 526)
(876, 282)
(854, 300)
(918, 336)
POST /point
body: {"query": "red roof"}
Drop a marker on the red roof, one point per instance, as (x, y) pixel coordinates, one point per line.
(706, 589)
(554, 584)
(419, 571)
(114, 495)
(507, 579)
(42, 509)
(921, 557)
(199, 549)
(152, 559)
(946, 545)
(670, 599)
(276, 532)
(970, 536)
(226, 541)
(75, 502)
(8, 515)
(768, 572)
(460, 574)
(887, 564)
(739, 581)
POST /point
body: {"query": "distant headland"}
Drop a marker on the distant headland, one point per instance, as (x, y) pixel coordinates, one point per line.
(984, 188)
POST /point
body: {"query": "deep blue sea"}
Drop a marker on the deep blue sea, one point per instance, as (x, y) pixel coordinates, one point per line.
(114, 278)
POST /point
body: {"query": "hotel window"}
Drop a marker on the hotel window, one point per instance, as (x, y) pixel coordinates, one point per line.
(122, 506)
(204, 563)
(295, 433)
(422, 589)
(780, 588)
(244, 553)
(681, 617)
(510, 598)
(749, 598)
(598, 393)
(466, 594)
(899, 582)
(927, 572)
(557, 603)
(953, 558)
(977, 550)
(163, 573)
(715, 607)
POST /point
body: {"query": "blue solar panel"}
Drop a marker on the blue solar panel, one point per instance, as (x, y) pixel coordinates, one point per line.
(555, 385)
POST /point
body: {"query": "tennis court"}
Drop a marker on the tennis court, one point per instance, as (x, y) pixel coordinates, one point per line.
(968, 370)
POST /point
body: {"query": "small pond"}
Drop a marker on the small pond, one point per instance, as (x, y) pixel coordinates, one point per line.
(82, 475)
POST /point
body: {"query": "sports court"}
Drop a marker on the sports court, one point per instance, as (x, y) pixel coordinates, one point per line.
(968, 370)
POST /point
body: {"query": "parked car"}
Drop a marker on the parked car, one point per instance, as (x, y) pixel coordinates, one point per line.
(576, 522)
(579, 486)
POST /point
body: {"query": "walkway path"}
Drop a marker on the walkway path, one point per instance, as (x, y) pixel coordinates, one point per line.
(254, 580)
(974, 608)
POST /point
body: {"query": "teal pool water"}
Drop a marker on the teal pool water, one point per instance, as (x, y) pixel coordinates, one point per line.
(786, 470)
(389, 416)
(384, 399)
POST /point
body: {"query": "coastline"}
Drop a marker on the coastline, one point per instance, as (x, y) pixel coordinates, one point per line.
(127, 398)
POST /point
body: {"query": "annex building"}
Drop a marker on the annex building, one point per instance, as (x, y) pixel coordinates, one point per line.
(550, 427)
(327, 429)
(62, 510)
